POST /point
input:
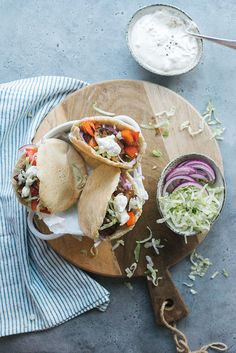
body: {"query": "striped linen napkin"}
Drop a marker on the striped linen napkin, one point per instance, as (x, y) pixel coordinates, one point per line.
(38, 288)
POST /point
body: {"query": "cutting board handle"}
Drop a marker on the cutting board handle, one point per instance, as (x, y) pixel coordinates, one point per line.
(167, 291)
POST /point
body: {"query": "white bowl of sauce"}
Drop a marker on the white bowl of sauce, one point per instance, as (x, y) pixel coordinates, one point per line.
(158, 40)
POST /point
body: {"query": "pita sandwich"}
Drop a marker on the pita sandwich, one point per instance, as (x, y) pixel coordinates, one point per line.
(110, 204)
(49, 177)
(108, 140)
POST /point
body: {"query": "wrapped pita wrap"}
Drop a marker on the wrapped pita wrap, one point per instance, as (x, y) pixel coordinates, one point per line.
(110, 203)
(108, 140)
(49, 177)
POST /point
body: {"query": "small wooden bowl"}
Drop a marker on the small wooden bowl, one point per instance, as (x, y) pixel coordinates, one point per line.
(220, 181)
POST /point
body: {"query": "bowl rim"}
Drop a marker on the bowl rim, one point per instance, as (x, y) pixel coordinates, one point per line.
(146, 67)
(163, 174)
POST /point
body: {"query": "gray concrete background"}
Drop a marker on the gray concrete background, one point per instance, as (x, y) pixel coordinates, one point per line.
(86, 40)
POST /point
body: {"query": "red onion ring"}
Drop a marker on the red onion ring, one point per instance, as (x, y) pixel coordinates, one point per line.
(178, 177)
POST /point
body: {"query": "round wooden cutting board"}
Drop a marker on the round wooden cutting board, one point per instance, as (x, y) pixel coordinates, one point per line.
(139, 100)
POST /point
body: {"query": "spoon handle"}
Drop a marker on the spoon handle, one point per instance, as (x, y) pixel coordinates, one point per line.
(225, 42)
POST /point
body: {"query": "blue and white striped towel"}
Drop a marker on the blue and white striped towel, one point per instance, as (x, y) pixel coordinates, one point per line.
(38, 288)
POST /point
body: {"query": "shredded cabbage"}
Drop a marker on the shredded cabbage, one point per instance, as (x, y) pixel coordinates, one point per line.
(94, 248)
(186, 125)
(161, 121)
(225, 273)
(189, 285)
(152, 272)
(169, 113)
(193, 291)
(111, 216)
(130, 270)
(215, 274)
(213, 122)
(146, 239)
(200, 265)
(155, 244)
(190, 209)
(157, 153)
(118, 243)
(137, 252)
(101, 111)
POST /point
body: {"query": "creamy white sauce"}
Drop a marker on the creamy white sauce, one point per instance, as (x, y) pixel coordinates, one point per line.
(25, 192)
(120, 202)
(135, 203)
(123, 217)
(28, 177)
(109, 145)
(159, 41)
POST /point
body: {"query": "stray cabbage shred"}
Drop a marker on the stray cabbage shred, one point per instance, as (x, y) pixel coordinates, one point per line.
(152, 272)
(161, 121)
(130, 270)
(118, 243)
(191, 209)
(101, 111)
(200, 265)
(213, 122)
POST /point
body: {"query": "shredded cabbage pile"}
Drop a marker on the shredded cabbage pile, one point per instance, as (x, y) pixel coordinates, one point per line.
(190, 209)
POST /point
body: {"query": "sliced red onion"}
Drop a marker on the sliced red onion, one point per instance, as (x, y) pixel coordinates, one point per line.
(189, 173)
(124, 182)
(199, 165)
(26, 146)
(190, 183)
(111, 129)
(180, 171)
(199, 176)
(86, 137)
(182, 163)
(179, 177)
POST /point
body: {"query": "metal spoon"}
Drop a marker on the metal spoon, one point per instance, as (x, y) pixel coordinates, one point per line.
(225, 42)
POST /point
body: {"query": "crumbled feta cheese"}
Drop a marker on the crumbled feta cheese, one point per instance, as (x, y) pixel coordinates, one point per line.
(25, 191)
(21, 177)
(120, 202)
(31, 171)
(30, 175)
(30, 180)
(122, 217)
(109, 145)
(134, 203)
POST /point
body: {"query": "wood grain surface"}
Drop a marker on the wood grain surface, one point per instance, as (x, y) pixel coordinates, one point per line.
(139, 100)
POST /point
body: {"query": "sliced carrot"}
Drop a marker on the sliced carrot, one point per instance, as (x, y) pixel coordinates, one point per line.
(135, 135)
(127, 136)
(131, 151)
(131, 220)
(34, 205)
(88, 127)
(92, 142)
(97, 125)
